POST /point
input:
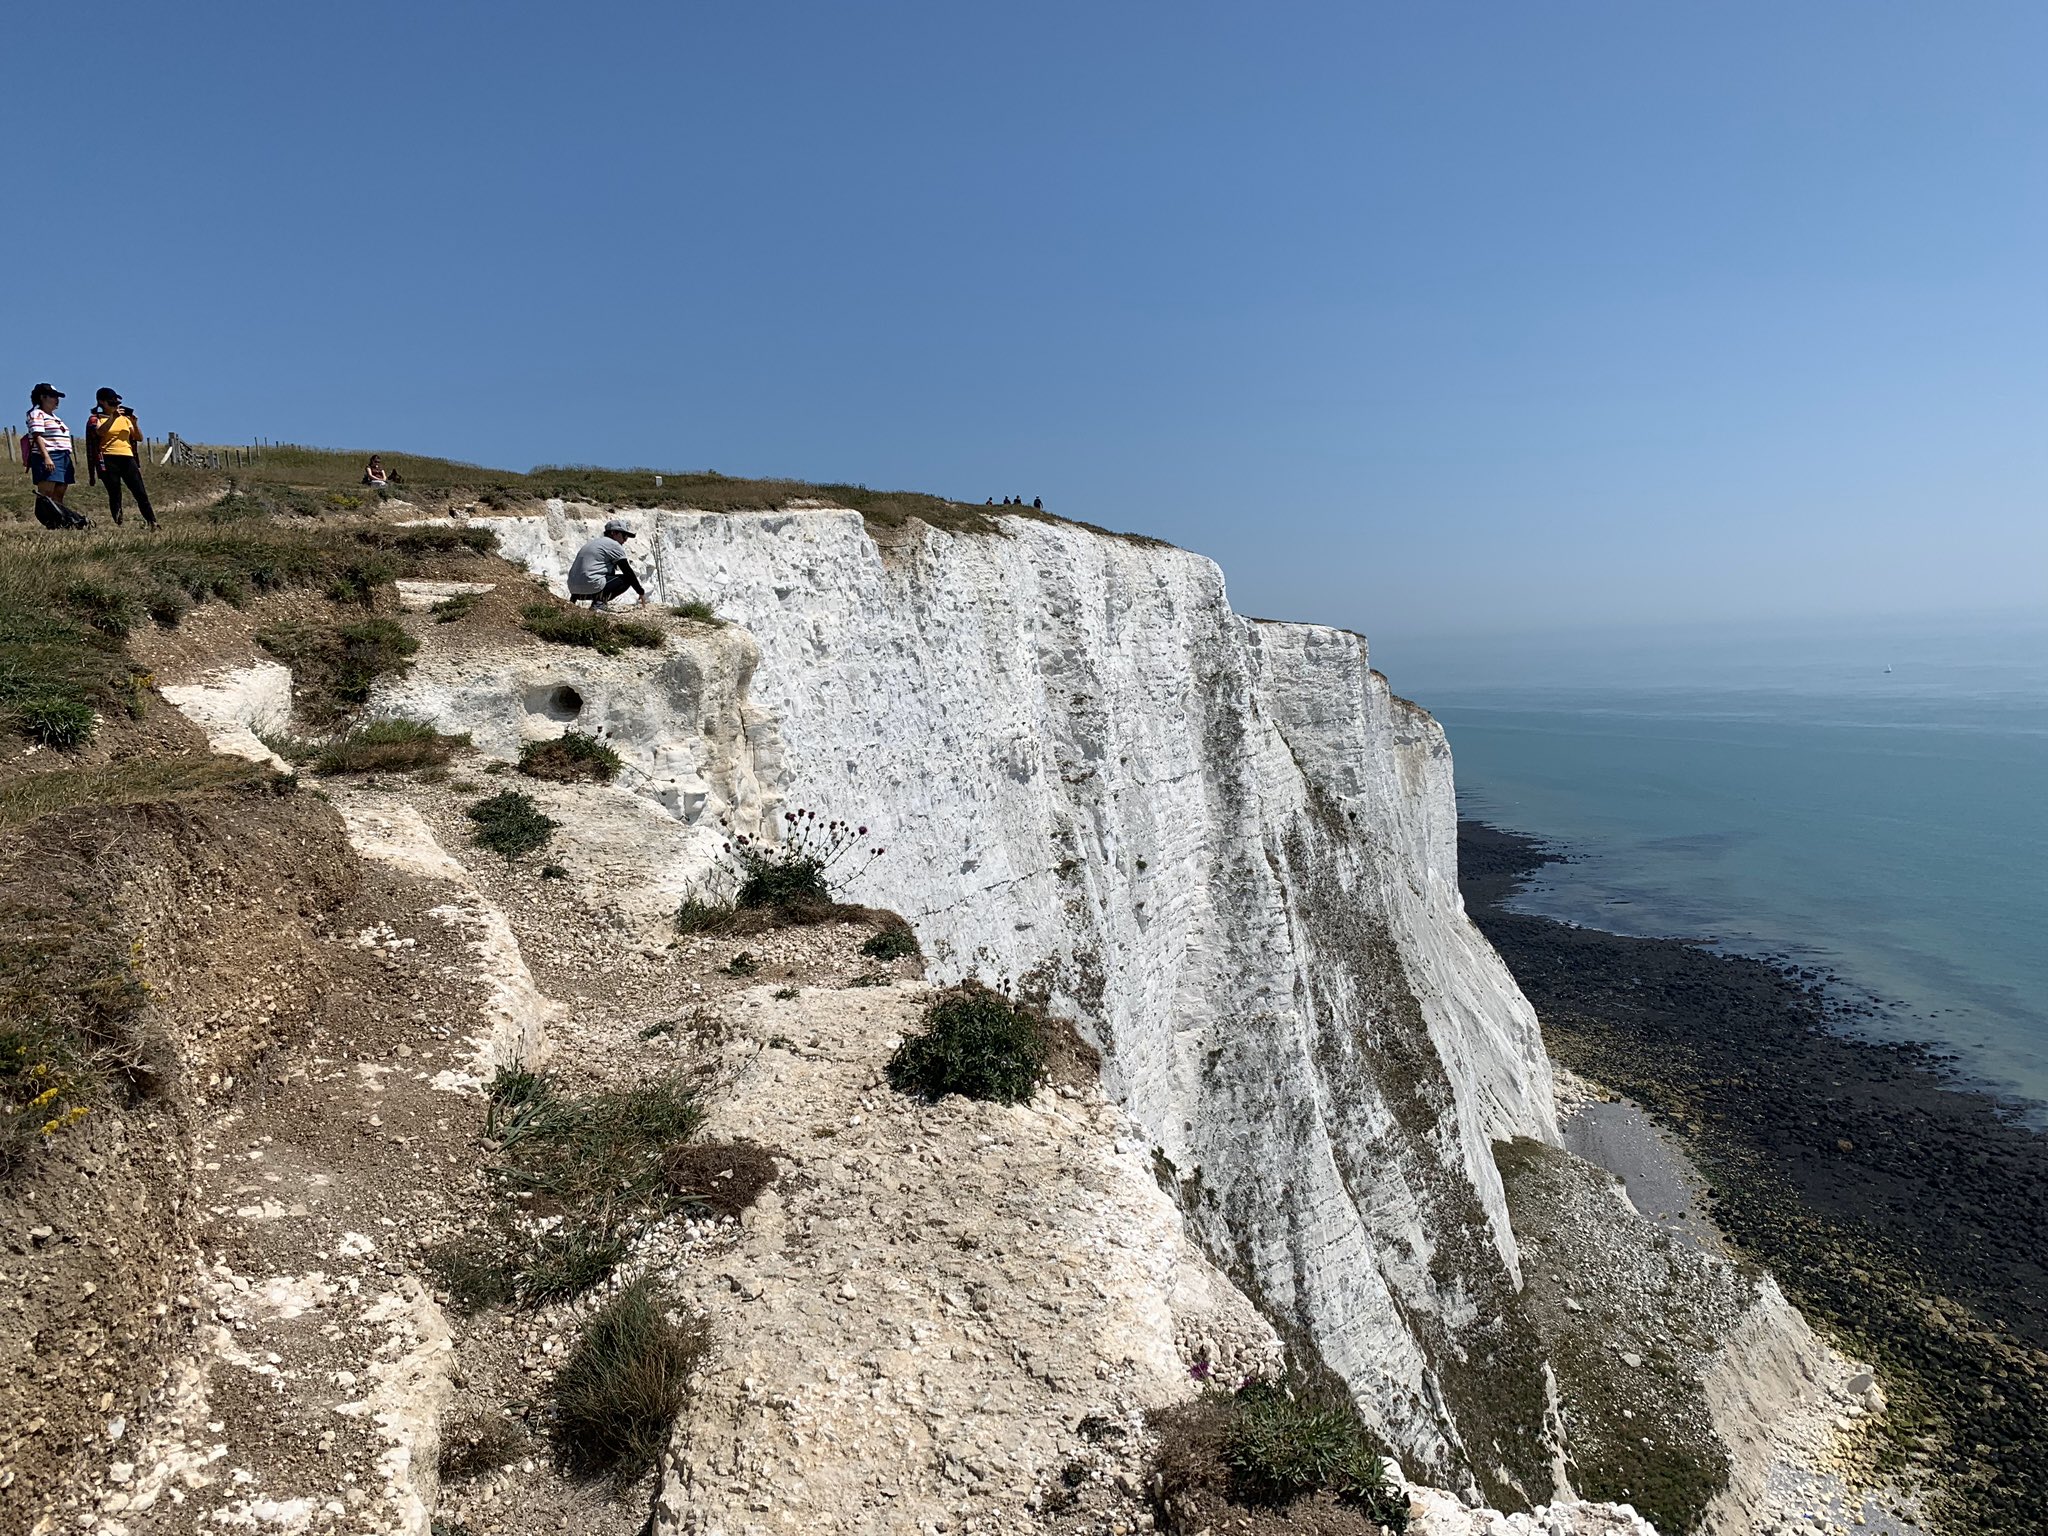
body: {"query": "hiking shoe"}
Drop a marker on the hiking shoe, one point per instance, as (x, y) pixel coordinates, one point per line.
(600, 606)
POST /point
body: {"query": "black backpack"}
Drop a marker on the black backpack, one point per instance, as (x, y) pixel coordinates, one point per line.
(53, 514)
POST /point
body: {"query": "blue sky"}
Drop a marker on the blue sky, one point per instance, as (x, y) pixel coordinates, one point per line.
(1421, 317)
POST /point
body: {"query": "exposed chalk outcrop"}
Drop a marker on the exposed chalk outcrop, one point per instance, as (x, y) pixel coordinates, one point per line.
(1224, 845)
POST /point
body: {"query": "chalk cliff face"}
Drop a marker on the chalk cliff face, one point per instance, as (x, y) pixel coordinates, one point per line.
(1223, 844)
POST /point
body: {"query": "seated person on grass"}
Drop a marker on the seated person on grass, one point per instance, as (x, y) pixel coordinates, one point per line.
(601, 571)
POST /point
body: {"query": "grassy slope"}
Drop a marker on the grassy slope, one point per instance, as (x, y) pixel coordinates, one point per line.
(315, 480)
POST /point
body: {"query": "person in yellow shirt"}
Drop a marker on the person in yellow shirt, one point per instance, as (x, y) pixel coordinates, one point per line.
(113, 452)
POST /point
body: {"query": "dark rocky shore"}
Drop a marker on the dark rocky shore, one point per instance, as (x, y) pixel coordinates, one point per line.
(1907, 1217)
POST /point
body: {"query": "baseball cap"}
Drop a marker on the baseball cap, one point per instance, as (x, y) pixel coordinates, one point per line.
(619, 526)
(45, 389)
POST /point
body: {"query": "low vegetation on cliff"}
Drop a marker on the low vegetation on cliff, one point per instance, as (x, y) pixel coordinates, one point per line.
(976, 1042)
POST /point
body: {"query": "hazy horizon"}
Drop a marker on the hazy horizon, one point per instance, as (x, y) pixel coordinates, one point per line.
(1419, 320)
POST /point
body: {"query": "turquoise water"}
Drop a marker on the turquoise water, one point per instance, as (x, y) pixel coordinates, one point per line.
(1783, 794)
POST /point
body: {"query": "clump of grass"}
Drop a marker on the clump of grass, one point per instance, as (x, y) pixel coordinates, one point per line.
(53, 720)
(334, 667)
(553, 872)
(892, 941)
(387, 746)
(569, 757)
(1266, 1446)
(561, 1265)
(599, 1157)
(437, 541)
(604, 1162)
(454, 607)
(975, 1042)
(742, 964)
(701, 913)
(623, 1385)
(1283, 1440)
(509, 823)
(571, 626)
(696, 610)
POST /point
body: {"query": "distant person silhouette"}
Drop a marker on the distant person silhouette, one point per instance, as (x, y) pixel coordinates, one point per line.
(374, 472)
(1037, 505)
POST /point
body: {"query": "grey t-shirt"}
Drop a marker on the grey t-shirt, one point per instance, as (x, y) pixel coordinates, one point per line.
(594, 565)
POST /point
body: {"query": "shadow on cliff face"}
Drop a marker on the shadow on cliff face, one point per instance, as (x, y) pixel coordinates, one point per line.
(1392, 1131)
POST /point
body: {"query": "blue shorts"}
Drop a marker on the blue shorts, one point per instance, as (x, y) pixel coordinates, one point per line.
(59, 472)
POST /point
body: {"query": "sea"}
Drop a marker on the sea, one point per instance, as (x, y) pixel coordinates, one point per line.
(1869, 797)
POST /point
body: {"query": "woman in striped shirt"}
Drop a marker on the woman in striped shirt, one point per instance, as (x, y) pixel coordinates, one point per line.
(50, 454)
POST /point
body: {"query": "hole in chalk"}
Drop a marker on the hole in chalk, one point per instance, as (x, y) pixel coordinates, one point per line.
(557, 702)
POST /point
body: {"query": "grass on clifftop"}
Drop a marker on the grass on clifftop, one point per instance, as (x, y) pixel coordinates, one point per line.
(317, 482)
(560, 625)
(69, 601)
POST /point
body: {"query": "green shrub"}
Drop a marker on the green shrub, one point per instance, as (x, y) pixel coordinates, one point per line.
(386, 746)
(797, 872)
(696, 610)
(742, 964)
(1284, 1440)
(572, 626)
(110, 609)
(453, 607)
(622, 1386)
(437, 541)
(509, 823)
(358, 579)
(569, 757)
(892, 941)
(975, 1042)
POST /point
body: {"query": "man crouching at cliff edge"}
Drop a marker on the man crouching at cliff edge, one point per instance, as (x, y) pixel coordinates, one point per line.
(601, 571)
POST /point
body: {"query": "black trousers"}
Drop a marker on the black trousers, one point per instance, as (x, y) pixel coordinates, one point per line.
(619, 582)
(125, 469)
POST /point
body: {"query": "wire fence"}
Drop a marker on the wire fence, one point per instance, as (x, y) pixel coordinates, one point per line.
(172, 449)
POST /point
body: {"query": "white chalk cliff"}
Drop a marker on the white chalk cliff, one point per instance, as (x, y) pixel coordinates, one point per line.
(1222, 844)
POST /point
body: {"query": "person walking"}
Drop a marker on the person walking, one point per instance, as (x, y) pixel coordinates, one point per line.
(113, 444)
(49, 458)
(601, 571)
